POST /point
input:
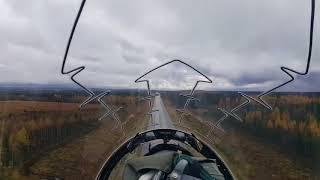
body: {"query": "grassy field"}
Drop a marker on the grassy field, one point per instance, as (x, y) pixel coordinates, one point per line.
(22, 106)
(82, 158)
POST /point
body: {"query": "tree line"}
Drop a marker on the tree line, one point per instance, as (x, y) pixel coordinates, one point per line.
(24, 135)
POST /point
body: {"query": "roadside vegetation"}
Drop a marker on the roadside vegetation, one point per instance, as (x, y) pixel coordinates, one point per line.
(279, 144)
(30, 131)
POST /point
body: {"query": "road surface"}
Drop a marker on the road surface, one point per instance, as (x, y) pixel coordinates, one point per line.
(160, 118)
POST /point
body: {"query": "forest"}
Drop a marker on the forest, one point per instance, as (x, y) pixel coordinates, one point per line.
(29, 128)
(293, 124)
(35, 123)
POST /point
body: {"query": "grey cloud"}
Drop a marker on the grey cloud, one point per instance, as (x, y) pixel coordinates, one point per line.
(237, 44)
(132, 53)
(252, 78)
(305, 83)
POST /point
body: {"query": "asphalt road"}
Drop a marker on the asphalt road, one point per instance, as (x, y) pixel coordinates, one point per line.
(160, 119)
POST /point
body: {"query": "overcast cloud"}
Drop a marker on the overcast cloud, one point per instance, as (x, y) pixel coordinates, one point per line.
(238, 44)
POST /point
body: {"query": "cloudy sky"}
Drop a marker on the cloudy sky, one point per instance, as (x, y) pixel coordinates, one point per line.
(238, 44)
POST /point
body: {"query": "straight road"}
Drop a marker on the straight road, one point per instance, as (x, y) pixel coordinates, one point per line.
(160, 118)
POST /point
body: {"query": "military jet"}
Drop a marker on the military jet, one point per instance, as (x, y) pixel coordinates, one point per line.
(164, 152)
